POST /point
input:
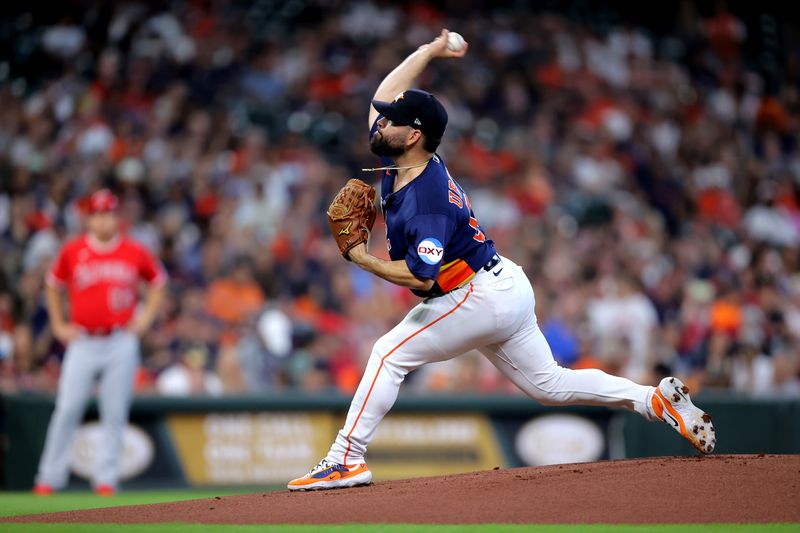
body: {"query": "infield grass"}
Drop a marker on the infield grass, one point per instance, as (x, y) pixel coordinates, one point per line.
(17, 503)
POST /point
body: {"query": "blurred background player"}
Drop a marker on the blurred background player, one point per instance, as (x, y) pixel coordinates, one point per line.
(100, 273)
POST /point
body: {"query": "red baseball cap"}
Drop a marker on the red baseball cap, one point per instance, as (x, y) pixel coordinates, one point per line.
(103, 201)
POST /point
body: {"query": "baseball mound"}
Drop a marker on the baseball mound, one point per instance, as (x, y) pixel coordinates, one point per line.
(724, 488)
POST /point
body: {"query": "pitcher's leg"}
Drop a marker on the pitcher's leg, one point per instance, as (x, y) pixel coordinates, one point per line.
(115, 395)
(74, 391)
(378, 388)
(429, 333)
(527, 361)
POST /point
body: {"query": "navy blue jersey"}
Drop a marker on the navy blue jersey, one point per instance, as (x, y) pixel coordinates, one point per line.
(430, 224)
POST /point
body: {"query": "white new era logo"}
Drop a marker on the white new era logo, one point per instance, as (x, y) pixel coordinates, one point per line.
(417, 122)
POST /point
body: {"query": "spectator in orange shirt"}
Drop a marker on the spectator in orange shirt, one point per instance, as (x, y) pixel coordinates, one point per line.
(235, 299)
(726, 313)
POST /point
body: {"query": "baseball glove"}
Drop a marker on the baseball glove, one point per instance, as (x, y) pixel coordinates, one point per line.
(352, 214)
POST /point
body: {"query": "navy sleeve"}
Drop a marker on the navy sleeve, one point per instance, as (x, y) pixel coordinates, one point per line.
(427, 237)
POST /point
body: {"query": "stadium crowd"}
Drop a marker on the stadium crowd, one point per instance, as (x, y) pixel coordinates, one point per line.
(648, 180)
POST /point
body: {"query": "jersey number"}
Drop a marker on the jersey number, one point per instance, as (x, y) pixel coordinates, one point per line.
(120, 299)
(454, 194)
(479, 235)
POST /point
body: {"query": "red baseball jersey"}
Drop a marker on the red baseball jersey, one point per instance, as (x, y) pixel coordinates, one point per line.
(103, 279)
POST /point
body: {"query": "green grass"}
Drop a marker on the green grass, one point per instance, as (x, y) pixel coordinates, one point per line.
(12, 504)
(19, 503)
(401, 528)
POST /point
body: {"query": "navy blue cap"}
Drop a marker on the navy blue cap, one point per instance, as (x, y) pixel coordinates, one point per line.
(418, 109)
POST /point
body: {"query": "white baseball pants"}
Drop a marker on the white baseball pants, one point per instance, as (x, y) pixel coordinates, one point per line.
(114, 358)
(494, 313)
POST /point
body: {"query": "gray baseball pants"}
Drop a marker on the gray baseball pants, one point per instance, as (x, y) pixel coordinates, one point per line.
(114, 358)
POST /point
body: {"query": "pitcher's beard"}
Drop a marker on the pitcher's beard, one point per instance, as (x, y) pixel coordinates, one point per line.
(380, 146)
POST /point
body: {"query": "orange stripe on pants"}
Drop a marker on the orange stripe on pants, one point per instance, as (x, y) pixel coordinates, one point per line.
(366, 398)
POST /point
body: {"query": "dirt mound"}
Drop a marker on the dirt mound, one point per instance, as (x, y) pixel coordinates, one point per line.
(725, 488)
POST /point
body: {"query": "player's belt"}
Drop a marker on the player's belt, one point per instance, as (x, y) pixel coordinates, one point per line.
(491, 263)
(101, 332)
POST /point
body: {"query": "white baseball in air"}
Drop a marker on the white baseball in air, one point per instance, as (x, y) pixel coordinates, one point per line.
(455, 41)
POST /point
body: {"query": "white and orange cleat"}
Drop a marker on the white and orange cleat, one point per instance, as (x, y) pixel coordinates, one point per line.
(671, 403)
(328, 475)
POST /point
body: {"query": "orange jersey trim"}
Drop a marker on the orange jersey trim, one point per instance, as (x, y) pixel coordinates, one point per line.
(454, 274)
(372, 385)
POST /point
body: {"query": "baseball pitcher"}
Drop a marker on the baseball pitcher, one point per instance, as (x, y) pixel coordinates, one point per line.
(473, 297)
(100, 273)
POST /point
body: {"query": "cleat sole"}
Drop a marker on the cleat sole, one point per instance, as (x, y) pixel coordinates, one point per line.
(683, 416)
